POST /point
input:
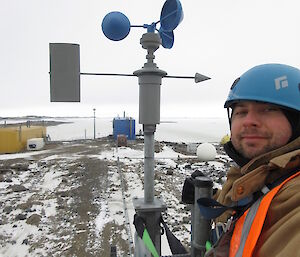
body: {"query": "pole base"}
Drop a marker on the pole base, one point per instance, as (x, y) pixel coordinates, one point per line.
(151, 213)
(157, 205)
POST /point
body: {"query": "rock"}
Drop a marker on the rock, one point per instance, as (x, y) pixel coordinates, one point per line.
(186, 220)
(188, 166)
(157, 176)
(175, 229)
(20, 167)
(36, 202)
(30, 210)
(4, 170)
(63, 193)
(188, 207)
(21, 216)
(7, 209)
(34, 219)
(42, 164)
(18, 188)
(25, 241)
(8, 180)
(67, 220)
(169, 172)
(25, 206)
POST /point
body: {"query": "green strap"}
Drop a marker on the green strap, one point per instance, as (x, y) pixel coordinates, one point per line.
(208, 245)
(148, 242)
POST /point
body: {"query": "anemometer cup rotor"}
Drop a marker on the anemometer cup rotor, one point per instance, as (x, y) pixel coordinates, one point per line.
(171, 15)
(115, 26)
(167, 38)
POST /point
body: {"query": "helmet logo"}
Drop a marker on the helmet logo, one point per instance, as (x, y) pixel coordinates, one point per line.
(281, 82)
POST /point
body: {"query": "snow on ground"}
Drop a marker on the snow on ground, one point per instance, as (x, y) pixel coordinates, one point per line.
(102, 218)
(20, 155)
(165, 159)
(51, 180)
(171, 168)
(17, 230)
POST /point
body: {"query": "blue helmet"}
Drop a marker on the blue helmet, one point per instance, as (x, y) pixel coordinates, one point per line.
(277, 84)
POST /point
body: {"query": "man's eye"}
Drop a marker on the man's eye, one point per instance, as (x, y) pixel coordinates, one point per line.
(271, 109)
(239, 112)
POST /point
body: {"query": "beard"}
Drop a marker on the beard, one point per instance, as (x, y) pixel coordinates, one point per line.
(253, 148)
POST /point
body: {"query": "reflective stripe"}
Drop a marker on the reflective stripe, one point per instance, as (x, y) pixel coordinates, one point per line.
(237, 234)
(250, 216)
(249, 226)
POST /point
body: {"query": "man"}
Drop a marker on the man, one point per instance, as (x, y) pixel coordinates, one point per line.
(262, 191)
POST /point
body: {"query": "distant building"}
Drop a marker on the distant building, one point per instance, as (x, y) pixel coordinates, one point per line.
(14, 139)
(124, 126)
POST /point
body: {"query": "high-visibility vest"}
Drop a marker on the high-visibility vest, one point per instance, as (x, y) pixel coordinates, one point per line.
(249, 226)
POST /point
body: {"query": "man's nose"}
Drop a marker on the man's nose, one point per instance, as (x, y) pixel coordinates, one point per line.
(252, 118)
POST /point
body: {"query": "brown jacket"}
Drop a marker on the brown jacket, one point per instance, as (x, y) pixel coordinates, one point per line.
(281, 231)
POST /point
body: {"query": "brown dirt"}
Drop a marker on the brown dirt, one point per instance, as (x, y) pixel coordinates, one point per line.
(83, 187)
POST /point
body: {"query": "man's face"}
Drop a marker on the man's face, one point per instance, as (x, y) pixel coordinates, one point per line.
(258, 128)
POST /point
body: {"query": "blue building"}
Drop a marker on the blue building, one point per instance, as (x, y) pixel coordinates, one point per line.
(124, 126)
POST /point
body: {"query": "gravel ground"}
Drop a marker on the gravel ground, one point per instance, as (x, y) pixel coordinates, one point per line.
(66, 200)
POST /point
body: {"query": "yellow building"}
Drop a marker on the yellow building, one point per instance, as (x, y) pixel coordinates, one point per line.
(14, 139)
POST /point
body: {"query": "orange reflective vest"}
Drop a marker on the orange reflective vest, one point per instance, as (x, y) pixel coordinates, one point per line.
(249, 226)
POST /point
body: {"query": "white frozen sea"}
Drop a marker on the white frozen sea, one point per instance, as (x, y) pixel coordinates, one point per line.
(186, 130)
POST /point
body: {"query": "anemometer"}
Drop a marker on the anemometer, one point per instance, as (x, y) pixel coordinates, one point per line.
(116, 26)
(65, 87)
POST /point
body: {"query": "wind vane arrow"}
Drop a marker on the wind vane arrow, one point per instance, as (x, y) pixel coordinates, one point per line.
(199, 77)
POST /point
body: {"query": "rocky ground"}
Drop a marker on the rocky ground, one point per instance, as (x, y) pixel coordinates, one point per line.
(68, 199)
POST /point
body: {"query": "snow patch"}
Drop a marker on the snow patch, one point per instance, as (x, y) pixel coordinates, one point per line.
(102, 218)
(51, 180)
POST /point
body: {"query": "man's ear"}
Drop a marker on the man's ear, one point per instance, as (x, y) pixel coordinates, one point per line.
(294, 119)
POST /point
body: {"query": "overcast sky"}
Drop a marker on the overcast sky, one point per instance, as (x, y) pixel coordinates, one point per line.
(218, 38)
